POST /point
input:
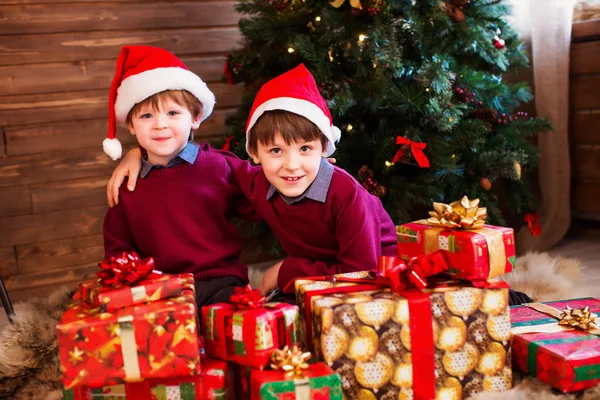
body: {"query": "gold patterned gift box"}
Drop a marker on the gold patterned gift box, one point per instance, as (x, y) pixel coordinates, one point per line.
(457, 339)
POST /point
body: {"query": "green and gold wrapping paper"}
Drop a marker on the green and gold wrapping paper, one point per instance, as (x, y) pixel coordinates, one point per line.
(366, 337)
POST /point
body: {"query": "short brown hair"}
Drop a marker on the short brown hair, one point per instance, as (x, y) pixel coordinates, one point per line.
(293, 128)
(181, 97)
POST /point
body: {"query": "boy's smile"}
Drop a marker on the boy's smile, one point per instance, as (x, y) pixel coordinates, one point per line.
(164, 132)
(290, 168)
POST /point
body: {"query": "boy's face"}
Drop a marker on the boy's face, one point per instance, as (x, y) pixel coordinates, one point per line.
(290, 168)
(164, 132)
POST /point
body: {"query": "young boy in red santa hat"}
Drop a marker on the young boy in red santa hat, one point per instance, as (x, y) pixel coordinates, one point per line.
(180, 212)
(323, 218)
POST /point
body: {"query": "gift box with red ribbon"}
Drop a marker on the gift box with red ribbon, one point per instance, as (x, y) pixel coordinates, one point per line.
(129, 280)
(151, 340)
(558, 342)
(476, 251)
(214, 383)
(248, 329)
(462, 340)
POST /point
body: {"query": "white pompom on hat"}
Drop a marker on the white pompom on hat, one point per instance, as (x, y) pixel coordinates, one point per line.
(143, 71)
(295, 91)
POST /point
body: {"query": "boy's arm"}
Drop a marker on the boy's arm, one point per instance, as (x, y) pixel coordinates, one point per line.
(117, 236)
(358, 231)
(130, 166)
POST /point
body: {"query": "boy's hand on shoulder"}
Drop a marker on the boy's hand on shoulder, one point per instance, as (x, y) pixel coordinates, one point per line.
(130, 167)
(331, 160)
(269, 281)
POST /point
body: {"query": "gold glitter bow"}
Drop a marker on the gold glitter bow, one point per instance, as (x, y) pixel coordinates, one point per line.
(291, 360)
(462, 214)
(353, 3)
(581, 318)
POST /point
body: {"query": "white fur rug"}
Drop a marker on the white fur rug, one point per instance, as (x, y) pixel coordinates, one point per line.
(29, 367)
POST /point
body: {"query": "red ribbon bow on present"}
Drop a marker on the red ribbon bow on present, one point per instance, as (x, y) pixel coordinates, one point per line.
(533, 223)
(402, 274)
(126, 270)
(415, 147)
(244, 298)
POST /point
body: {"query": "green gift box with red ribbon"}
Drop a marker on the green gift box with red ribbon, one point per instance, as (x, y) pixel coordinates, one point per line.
(247, 330)
(565, 357)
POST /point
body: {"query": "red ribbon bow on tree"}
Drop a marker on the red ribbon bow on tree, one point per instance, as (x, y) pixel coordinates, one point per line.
(415, 147)
(126, 270)
(533, 222)
(402, 274)
(244, 298)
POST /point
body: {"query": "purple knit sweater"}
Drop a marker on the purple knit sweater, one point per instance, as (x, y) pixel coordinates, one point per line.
(180, 216)
(346, 233)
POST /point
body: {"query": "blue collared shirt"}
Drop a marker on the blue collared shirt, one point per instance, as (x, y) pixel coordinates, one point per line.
(316, 191)
(188, 154)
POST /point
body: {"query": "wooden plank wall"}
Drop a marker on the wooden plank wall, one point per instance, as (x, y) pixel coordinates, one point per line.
(585, 119)
(57, 59)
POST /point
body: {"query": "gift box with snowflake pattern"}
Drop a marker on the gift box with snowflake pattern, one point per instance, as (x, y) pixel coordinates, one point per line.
(458, 340)
(478, 254)
(567, 359)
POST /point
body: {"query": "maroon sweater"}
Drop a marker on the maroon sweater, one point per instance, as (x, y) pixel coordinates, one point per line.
(180, 216)
(346, 233)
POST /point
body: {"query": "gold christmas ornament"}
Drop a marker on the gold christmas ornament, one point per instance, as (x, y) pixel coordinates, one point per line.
(494, 302)
(498, 383)
(460, 363)
(492, 361)
(498, 327)
(365, 394)
(334, 344)
(364, 346)
(452, 390)
(401, 315)
(403, 375)
(517, 168)
(290, 360)
(374, 374)
(453, 335)
(376, 312)
(463, 302)
(463, 214)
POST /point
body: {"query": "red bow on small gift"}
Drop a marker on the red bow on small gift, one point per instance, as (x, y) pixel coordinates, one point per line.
(247, 297)
(126, 270)
(415, 147)
(402, 274)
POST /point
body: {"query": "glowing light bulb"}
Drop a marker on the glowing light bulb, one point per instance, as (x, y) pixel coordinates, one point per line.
(291, 50)
(362, 37)
(318, 19)
(388, 164)
(349, 128)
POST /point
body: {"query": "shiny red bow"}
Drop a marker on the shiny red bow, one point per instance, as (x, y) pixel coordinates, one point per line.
(227, 144)
(247, 297)
(416, 149)
(402, 274)
(126, 270)
(533, 222)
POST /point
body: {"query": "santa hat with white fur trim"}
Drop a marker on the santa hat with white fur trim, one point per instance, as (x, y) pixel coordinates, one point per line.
(143, 71)
(295, 91)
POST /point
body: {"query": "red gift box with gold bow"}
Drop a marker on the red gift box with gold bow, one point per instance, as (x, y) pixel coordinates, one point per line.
(475, 250)
(128, 280)
(247, 330)
(151, 340)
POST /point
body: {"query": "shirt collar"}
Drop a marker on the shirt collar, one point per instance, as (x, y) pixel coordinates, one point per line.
(316, 191)
(188, 154)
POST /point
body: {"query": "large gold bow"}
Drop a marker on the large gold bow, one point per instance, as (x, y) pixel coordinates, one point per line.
(462, 214)
(581, 318)
(291, 360)
(353, 3)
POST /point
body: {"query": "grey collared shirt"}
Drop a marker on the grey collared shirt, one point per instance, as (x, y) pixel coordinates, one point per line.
(188, 154)
(316, 191)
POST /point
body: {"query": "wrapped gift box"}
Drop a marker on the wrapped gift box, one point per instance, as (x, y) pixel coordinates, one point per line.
(478, 254)
(249, 336)
(151, 340)
(318, 382)
(214, 383)
(567, 359)
(112, 298)
(462, 345)
(309, 289)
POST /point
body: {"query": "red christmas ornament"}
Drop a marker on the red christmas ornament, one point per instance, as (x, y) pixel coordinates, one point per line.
(499, 42)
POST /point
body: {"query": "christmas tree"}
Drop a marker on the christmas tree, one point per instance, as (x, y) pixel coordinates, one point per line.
(417, 89)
